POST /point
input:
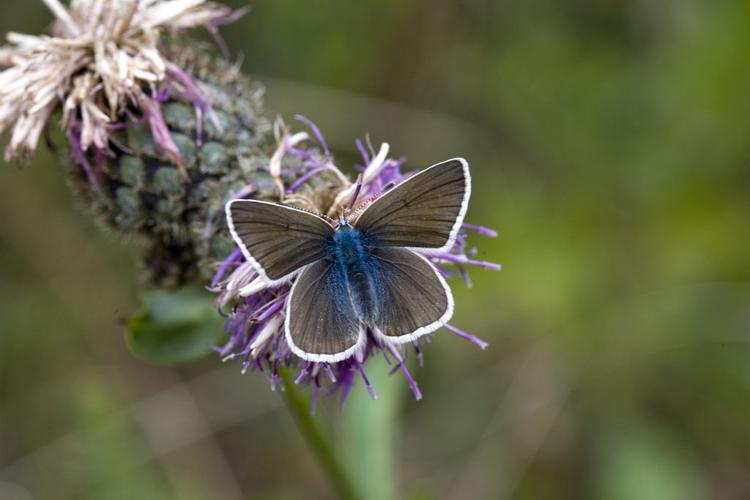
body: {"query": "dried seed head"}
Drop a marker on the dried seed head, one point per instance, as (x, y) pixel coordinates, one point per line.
(102, 57)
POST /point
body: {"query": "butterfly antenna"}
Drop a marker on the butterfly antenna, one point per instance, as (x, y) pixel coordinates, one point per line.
(355, 195)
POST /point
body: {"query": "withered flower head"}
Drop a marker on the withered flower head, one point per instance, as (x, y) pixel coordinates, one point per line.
(101, 57)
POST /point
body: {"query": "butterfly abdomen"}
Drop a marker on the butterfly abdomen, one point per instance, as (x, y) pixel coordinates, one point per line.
(356, 264)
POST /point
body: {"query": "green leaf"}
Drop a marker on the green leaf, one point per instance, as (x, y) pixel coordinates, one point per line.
(175, 327)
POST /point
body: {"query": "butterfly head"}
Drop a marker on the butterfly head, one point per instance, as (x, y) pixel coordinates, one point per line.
(342, 221)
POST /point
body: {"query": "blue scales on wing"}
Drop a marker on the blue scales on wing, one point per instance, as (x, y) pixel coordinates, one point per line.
(321, 322)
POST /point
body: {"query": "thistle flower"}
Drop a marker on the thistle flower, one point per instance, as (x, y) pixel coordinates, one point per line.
(255, 325)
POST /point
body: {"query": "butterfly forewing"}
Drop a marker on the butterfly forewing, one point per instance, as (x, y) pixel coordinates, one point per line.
(413, 298)
(277, 239)
(321, 324)
(425, 211)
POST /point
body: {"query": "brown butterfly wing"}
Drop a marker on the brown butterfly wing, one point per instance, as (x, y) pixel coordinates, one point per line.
(414, 299)
(277, 239)
(424, 211)
(321, 324)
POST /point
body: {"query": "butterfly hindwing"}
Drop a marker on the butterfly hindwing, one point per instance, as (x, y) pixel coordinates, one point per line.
(277, 239)
(413, 298)
(321, 324)
(424, 211)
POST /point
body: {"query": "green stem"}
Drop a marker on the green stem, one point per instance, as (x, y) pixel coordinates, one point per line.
(299, 406)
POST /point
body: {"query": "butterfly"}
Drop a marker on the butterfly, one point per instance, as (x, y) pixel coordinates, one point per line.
(351, 276)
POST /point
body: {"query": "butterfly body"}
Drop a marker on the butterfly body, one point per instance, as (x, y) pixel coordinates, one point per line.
(356, 267)
(360, 276)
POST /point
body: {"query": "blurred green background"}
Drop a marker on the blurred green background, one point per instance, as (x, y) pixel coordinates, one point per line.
(610, 146)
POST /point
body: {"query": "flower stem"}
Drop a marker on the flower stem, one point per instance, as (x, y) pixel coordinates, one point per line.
(299, 407)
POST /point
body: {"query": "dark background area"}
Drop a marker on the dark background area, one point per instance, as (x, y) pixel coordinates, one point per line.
(609, 146)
